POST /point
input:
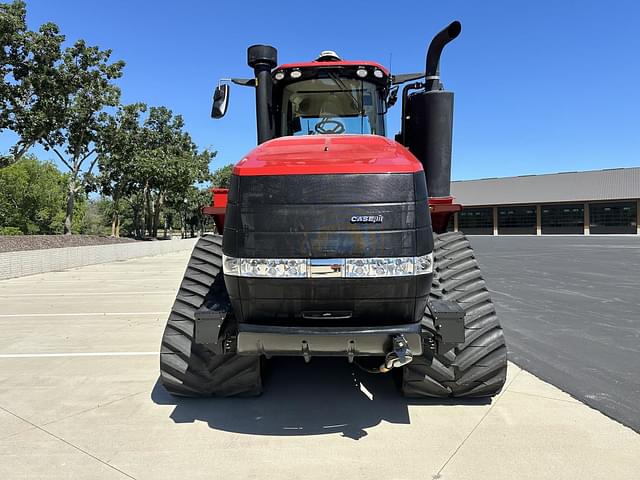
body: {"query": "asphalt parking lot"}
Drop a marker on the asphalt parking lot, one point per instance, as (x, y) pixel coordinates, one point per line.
(570, 307)
(79, 399)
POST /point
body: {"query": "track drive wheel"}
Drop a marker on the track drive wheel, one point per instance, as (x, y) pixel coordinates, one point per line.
(189, 369)
(478, 367)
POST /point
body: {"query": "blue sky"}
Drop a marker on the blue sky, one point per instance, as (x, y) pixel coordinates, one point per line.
(540, 86)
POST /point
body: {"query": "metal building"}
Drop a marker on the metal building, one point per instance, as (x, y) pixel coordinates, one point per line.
(583, 203)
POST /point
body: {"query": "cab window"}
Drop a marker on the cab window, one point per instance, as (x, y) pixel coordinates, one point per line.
(331, 105)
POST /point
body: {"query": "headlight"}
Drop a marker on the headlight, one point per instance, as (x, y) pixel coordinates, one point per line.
(424, 264)
(264, 267)
(230, 265)
(341, 267)
(273, 267)
(379, 267)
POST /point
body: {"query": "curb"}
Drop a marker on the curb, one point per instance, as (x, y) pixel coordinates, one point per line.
(33, 262)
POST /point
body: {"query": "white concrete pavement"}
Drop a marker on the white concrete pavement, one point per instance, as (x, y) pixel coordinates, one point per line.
(79, 399)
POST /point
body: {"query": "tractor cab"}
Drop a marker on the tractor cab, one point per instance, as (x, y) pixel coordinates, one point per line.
(326, 96)
(330, 96)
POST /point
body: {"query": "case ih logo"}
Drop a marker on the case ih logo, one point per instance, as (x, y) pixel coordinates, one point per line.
(366, 219)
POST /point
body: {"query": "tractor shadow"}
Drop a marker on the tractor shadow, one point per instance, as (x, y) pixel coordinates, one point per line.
(326, 396)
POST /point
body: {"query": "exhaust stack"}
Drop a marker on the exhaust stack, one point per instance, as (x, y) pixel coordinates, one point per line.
(428, 119)
(432, 66)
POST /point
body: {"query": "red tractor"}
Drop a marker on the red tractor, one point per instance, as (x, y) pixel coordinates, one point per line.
(333, 240)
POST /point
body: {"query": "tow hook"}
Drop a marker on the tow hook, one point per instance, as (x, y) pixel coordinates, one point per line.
(399, 356)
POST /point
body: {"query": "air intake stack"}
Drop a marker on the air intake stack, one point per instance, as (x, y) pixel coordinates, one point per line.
(263, 58)
(428, 119)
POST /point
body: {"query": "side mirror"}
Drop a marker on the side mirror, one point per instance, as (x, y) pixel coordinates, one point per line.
(220, 101)
(393, 97)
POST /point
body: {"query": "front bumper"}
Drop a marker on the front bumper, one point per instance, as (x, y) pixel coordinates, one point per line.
(350, 302)
(324, 341)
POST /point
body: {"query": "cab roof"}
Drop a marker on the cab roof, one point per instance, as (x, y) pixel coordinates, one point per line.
(334, 63)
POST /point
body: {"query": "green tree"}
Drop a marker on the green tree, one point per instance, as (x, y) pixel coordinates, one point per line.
(188, 207)
(87, 75)
(148, 164)
(96, 219)
(31, 91)
(54, 97)
(32, 195)
(222, 176)
(119, 148)
(171, 162)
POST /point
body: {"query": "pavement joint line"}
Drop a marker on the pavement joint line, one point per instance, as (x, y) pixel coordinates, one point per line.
(31, 427)
(44, 430)
(28, 427)
(546, 398)
(15, 281)
(77, 354)
(101, 314)
(94, 408)
(493, 404)
(73, 275)
(97, 275)
(87, 294)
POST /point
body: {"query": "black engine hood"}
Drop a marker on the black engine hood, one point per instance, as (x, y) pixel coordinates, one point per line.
(328, 216)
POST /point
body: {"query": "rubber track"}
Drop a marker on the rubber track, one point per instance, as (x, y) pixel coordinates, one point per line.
(478, 367)
(192, 370)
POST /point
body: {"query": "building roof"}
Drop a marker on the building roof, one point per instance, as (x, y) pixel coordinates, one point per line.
(611, 184)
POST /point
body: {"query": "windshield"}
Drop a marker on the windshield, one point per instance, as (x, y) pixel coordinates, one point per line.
(332, 105)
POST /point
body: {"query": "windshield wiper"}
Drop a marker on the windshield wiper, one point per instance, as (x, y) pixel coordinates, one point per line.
(343, 87)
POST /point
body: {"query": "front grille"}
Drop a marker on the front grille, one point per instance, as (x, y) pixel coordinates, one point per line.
(310, 216)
